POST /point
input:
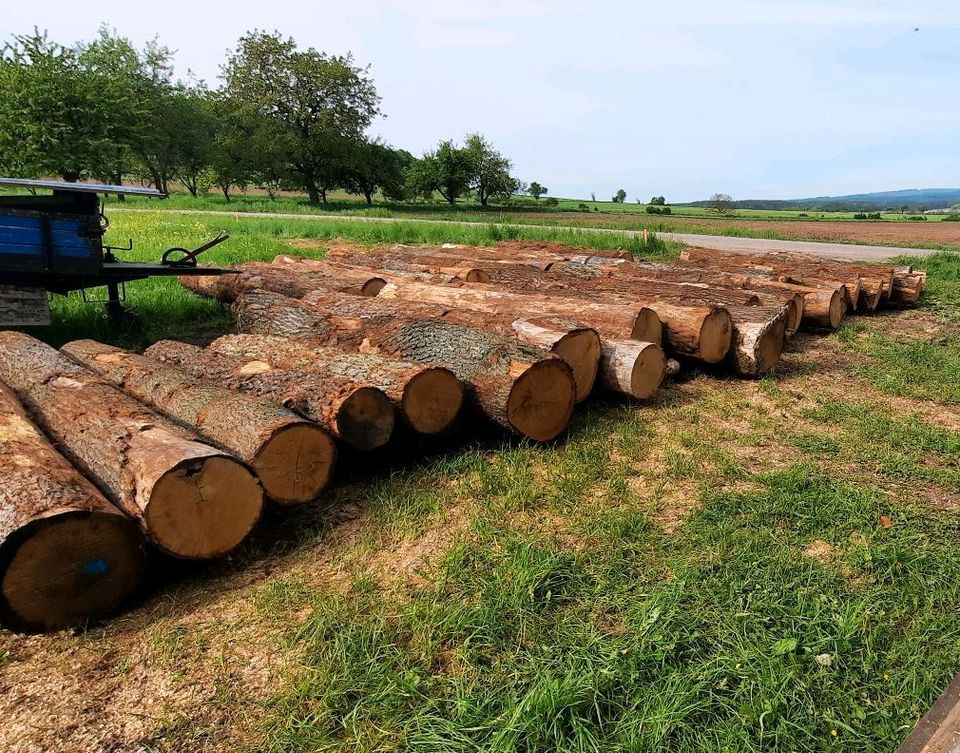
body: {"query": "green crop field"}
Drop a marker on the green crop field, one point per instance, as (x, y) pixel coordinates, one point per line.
(734, 566)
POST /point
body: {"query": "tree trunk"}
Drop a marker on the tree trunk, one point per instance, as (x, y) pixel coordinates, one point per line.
(577, 345)
(355, 412)
(373, 278)
(262, 276)
(191, 500)
(632, 368)
(313, 194)
(293, 458)
(521, 387)
(368, 195)
(67, 556)
(428, 397)
(699, 331)
(792, 272)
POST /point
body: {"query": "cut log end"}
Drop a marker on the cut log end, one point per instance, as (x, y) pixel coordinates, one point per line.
(476, 275)
(432, 400)
(715, 336)
(372, 287)
(770, 347)
(648, 327)
(838, 309)
(296, 463)
(794, 316)
(66, 569)
(648, 372)
(365, 419)
(204, 507)
(541, 400)
(580, 350)
(632, 368)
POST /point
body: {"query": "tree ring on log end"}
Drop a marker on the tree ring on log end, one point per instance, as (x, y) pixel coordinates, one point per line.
(648, 372)
(580, 350)
(203, 508)
(715, 336)
(794, 315)
(541, 400)
(365, 419)
(838, 309)
(296, 463)
(769, 347)
(432, 400)
(67, 568)
(647, 327)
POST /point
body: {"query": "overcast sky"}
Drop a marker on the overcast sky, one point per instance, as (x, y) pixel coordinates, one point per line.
(764, 99)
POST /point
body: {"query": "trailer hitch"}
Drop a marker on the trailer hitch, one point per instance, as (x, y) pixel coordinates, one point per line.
(181, 257)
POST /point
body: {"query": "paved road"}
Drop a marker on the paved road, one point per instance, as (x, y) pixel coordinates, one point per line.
(719, 242)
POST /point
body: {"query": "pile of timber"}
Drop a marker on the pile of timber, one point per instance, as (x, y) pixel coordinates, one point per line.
(108, 453)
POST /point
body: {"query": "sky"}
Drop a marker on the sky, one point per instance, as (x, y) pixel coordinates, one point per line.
(756, 99)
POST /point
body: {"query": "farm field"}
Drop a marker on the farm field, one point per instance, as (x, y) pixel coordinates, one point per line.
(735, 565)
(777, 224)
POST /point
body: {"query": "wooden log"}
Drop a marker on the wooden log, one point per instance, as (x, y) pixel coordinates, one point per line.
(262, 276)
(907, 288)
(67, 556)
(758, 330)
(356, 413)
(791, 272)
(428, 397)
(293, 458)
(633, 368)
(191, 500)
(522, 387)
(361, 270)
(703, 332)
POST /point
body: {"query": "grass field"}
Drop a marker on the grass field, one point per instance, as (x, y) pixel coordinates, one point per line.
(733, 566)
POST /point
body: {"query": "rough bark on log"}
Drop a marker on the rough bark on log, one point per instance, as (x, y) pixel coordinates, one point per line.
(577, 345)
(428, 397)
(357, 413)
(699, 331)
(262, 276)
(521, 387)
(359, 269)
(67, 556)
(191, 500)
(293, 458)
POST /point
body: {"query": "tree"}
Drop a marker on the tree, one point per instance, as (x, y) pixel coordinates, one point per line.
(536, 190)
(658, 201)
(53, 115)
(448, 170)
(312, 101)
(720, 203)
(372, 165)
(489, 169)
(620, 196)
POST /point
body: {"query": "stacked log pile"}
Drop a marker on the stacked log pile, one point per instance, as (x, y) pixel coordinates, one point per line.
(179, 448)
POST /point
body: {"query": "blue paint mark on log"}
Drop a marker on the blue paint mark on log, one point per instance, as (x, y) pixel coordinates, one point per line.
(96, 567)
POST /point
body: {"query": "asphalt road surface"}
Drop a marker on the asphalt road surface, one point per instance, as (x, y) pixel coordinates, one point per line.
(720, 242)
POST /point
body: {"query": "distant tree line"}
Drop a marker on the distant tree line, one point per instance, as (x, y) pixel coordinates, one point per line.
(283, 118)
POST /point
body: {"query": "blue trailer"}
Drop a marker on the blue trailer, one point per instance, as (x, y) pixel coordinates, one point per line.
(53, 243)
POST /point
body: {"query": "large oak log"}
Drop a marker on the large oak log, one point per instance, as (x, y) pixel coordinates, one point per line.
(293, 458)
(260, 275)
(67, 556)
(521, 387)
(355, 412)
(429, 397)
(577, 345)
(698, 331)
(191, 500)
(360, 270)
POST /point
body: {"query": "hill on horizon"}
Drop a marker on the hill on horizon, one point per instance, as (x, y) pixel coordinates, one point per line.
(914, 199)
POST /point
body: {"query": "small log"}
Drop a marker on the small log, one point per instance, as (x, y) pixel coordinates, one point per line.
(355, 412)
(631, 367)
(191, 500)
(428, 397)
(293, 458)
(522, 387)
(67, 556)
